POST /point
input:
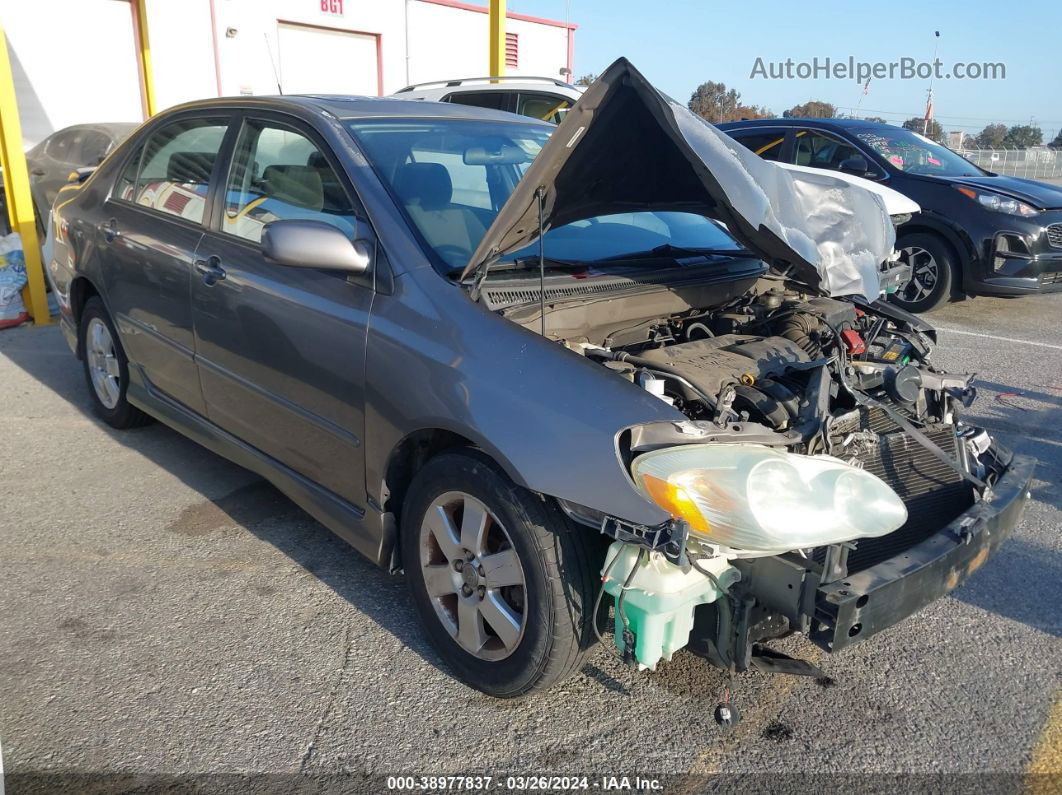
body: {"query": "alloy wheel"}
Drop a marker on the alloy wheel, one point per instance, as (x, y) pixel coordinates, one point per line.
(473, 576)
(103, 363)
(925, 272)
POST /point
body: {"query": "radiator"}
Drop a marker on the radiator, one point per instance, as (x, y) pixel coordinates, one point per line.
(933, 492)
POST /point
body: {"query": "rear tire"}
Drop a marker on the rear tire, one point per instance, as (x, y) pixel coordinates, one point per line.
(934, 271)
(509, 613)
(106, 368)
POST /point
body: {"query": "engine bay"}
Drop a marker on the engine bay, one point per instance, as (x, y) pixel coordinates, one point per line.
(796, 363)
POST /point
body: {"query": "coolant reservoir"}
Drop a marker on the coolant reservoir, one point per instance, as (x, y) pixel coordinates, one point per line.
(660, 600)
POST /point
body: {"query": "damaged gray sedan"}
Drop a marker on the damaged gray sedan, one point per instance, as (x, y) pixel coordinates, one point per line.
(535, 367)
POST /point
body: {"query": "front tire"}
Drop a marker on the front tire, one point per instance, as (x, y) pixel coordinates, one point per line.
(106, 368)
(933, 272)
(501, 580)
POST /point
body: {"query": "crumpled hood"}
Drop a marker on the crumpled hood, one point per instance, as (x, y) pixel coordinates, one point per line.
(626, 147)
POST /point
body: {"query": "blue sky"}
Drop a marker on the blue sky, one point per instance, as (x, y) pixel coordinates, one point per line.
(681, 43)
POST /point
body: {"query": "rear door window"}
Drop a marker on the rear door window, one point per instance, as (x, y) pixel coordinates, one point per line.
(495, 100)
(768, 144)
(175, 167)
(548, 107)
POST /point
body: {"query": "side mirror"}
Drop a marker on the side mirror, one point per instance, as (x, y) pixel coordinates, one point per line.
(314, 244)
(856, 165)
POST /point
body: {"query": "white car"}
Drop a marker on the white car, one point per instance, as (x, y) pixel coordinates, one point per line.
(898, 205)
(538, 97)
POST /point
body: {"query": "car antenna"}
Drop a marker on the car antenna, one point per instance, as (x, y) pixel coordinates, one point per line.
(273, 63)
(540, 194)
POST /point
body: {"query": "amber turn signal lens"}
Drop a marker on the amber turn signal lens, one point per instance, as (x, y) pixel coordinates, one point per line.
(676, 502)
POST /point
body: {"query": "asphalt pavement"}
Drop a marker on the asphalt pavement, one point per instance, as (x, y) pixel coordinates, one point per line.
(164, 612)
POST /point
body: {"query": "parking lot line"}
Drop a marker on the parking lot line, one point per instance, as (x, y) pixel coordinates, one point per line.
(1044, 772)
(1001, 339)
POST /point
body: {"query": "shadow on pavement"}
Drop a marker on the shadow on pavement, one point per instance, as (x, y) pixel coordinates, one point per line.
(255, 505)
(1027, 420)
(1019, 582)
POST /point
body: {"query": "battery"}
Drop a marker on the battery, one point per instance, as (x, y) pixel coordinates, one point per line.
(898, 351)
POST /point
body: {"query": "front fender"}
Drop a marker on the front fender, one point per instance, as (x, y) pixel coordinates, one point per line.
(548, 416)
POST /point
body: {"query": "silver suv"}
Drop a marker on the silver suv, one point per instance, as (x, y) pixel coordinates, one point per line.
(538, 97)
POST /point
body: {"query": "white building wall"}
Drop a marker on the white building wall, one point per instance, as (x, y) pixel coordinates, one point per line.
(543, 48)
(182, 51)
(448, 42)
(75, 61)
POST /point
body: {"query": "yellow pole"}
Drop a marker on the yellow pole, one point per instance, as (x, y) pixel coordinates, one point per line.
(17, 190)
(497, 38)
(144, 49)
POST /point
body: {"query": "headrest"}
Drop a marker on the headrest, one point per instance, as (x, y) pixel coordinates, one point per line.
(297, 185)
(190, 167)
(426, 184)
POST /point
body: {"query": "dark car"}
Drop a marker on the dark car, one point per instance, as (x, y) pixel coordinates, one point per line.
(979, 233)
(349, 297)
(51, 162)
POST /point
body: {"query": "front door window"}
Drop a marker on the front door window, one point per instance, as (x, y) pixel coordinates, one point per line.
(278, 173)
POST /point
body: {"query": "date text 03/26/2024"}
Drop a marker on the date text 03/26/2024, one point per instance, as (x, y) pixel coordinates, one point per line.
(523, 783)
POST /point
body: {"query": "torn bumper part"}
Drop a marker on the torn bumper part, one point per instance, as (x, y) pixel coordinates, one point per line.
(874, 599)
(767, 597)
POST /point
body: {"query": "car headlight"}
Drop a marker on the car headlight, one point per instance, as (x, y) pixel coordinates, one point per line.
(997, 201)
(756, 500)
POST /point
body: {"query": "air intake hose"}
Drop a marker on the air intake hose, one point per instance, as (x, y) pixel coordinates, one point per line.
(805, 330)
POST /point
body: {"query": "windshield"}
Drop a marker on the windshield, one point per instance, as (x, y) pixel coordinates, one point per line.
(608, 237)
(452, 176)
(916, 154)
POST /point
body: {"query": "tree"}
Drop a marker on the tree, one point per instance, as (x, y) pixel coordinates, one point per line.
(933, 130)
(814, 109)
(714, 103)
(878, 119)
(586, 80)
(752, 112)
(991, 137)
(1022, 136)
(1057, 143)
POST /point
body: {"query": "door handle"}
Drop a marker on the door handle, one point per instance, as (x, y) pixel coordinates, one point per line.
(210, 269)
(110, 230)
(38, 172)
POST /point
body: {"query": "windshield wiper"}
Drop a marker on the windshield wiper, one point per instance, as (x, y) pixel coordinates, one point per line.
(675, 252)
(551, 262)
(530, 261)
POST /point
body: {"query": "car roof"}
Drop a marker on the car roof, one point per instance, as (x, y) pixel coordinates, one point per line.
(824, 123)
(446, 88)
(355, 107)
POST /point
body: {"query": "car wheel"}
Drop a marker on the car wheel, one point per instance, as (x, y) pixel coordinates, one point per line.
(106, 368)
(932, 273)
(502, 581)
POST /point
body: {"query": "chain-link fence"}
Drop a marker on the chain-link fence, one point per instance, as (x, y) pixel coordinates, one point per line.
(1038, 162)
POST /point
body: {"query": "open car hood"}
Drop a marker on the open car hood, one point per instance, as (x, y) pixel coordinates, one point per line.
(626, 147)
